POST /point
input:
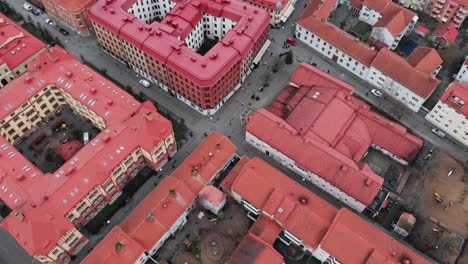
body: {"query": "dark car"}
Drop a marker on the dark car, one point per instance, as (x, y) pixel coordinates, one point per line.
(63, 31)
(35, 12)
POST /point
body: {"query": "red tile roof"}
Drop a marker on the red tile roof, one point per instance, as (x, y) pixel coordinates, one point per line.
(327, 131)
(165, 40)
(422, 29)
(16, 44)
(384, 60)
(446, 32)
(212, 194)
(202, 165)
(353, 240)
(343, 234)
(74, 6)
(106, 252)
(281, 199)
(266, 229)
(389, 9)
(400, 70)
(36, 194)
(272, 4)
(425, 59)
(253, 250)
(158, 212)
(456, 96)
(314, 20)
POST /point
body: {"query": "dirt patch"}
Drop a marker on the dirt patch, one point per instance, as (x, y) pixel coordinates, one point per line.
(441, 225)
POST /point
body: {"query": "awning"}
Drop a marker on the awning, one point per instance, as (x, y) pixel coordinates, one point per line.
(287, 13)
(261, 52)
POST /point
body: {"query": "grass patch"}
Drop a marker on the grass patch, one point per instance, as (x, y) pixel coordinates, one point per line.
(195, 248)
(362, 29)
(105, 214)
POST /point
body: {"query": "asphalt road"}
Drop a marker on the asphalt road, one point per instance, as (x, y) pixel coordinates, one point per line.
(227, 119)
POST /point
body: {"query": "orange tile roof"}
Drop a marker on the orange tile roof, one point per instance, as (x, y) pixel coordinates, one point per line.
(16, 44)
(231, 177)
(341, 233)
(266, 229)
(36, 194)
(351, 239)
(106, 252)
(212, 194)
(202, 165)
(400, 70)
(288, 203)
(156, 214)
(425, 59)
(253, 250)
(394, 23)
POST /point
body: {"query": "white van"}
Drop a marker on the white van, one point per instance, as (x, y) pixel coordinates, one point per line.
(438, 132)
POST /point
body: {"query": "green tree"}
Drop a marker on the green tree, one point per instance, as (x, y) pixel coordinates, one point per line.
(289, 57)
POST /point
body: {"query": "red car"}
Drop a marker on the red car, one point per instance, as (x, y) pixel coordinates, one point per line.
(292, 41)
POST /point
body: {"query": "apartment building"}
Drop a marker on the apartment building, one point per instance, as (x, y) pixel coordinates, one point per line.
(17, 48)
(323, 133)
(48, 207)
(450, 114)
(410, 81)
(295, 216)
(165, 209)
(166, 41)
(462, 75)
(279, 10)
(444, 11)
(389, 20)
(73, 13)
(419, 5)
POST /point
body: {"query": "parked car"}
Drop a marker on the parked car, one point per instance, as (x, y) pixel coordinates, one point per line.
(145, 83)
(438, 132)
(35, 12)
(63, 31)
(377, 93)
(292, 41)
(27, 7)
(64, 140)
(49, 21)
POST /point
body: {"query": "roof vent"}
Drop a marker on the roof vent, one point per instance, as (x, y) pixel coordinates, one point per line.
(210, 154)
(20, 216)
(33, 205)
(20, 177)
(140, 27)
(368, 182)
(158, 32)
(149, 116)
(303, 200)
(193, 59)
(255, 11)
(244, 7)
(203, 65)
(70, 170)
(68, 74)
(106, 138)
(28, 79)
(213, 56)
(250, 18)
(164, 205)
(109, 102)
(149, 217)
(112, 11)
(93, 90)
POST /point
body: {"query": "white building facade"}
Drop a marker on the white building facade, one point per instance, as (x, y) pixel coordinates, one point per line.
(462, 75)
(308, 175)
